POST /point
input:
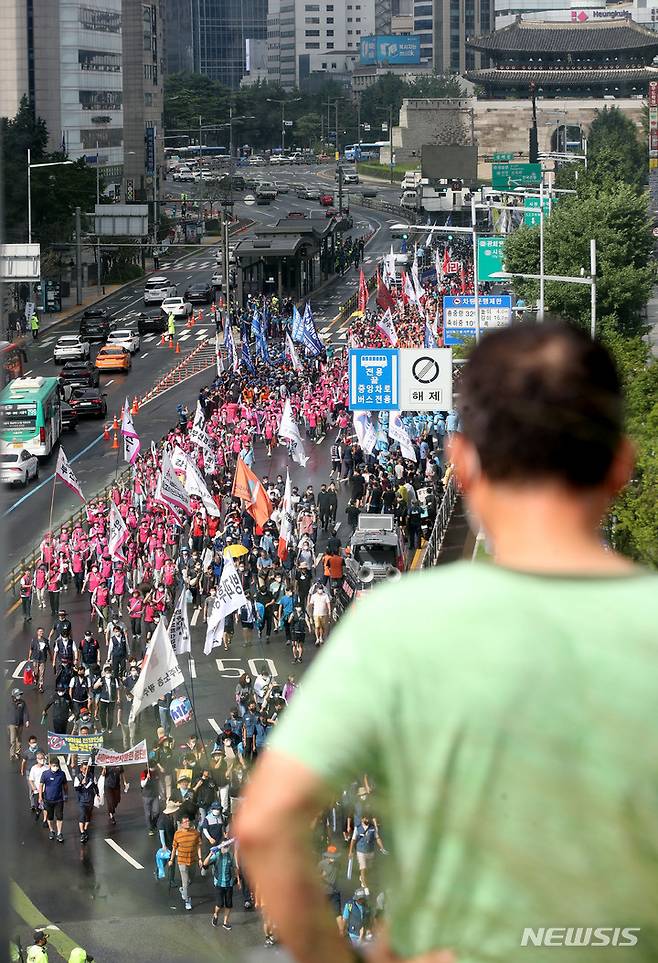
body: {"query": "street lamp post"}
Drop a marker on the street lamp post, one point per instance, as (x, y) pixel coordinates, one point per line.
(282, 103)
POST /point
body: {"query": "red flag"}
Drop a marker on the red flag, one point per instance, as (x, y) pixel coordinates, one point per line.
(462, 278)
(384, 298)
(445, 267)
(248, 488)
(403, 289)
(362, 303)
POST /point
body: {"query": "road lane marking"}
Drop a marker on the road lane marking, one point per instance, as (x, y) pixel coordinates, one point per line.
(34, 490)
(144, 355)
(214, 726)
(110, 382)
(195, 617)
(32, 916)
(18, 671)
(65, 768)
(193, 668)
(128, 858)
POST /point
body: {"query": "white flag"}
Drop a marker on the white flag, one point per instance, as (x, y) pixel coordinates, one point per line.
(438, 265)
(179, 627)
(389, 268)
(117, 533)
(286, 523)
(292, 352)
(198, 433)
(385, 324)
(365, 431)
(65, 472)
(160, 673)
(169, 490)
(218, 358)
(290, 432)
(131, 442)
(230, 598)
(195, 485)
(398, 432)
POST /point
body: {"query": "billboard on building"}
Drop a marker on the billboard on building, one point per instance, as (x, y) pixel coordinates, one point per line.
(450, 162)
(389, 49)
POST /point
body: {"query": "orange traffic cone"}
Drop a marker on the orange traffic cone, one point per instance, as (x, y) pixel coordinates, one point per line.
(171, 343)
(115, 424)
(178, 347)
(135, 408)
(200, 316)
(115, 441)
(162, 340)
(106, 433)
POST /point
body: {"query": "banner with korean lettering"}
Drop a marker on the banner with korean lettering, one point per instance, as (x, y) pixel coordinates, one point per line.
(61, 742)
(160, 673)
(230, 597)
(137, 756)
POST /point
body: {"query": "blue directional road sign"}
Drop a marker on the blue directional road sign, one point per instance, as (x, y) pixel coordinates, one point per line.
(459, 315)
(374, 375)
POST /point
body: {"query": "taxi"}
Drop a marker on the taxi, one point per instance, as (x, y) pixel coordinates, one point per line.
(112, 357)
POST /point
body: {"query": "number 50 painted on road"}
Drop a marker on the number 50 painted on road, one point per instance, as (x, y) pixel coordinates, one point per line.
(234, 671)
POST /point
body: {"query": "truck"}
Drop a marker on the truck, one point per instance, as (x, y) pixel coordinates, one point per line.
(448, 197)
(377, 552)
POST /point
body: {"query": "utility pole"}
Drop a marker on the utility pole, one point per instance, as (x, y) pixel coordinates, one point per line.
(230, 131)
(337, 146)
(340, 188)
(199, 138)
(390, 141)
(78, 257)
(283, 126)
(98, 237)
(592, 274)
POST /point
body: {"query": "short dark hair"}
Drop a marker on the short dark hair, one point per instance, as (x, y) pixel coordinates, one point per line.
(542, 401)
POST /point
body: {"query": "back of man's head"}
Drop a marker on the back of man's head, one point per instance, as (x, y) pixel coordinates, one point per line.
(542, 402)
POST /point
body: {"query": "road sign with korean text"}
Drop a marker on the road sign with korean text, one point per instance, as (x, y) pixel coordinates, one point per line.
(459, 315)
(374, 379)
(515, 175)
(490, 256)
(425, 379)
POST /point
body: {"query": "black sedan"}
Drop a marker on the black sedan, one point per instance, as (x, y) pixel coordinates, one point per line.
(151, 322)
(199, 294)
(79, 374)
(69, 417)
(88, 402)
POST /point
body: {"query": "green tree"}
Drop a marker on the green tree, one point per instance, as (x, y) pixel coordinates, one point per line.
(306, 130)
(56, 191)
(619, 222)
(614, 150)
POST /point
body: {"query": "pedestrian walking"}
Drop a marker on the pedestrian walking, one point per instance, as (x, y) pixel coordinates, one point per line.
(53, 793)
(34, 326)
(17, 718)
(186, 851)
(225, 877)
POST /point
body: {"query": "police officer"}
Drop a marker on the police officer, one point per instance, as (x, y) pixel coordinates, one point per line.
(89, 652)
(65, 654)
(171, 326)
(61, 706)
(34, 325)
(62, 624)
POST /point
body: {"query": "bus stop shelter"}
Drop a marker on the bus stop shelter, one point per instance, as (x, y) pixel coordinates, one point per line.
(289, 259)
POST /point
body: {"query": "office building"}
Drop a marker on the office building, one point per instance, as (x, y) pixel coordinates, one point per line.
(14, 82)
(309, 41)
(211, 37)
(143, 74)
(445, 25)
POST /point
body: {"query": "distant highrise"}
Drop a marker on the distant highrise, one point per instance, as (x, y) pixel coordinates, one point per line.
(444, 25)
(210, 36)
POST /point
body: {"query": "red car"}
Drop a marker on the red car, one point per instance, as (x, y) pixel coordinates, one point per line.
(326, 200)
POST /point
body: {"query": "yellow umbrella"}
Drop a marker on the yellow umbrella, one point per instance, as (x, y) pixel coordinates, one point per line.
(236, 551)
(356, 314)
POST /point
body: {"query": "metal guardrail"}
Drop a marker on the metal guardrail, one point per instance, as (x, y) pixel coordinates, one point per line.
(446, 508)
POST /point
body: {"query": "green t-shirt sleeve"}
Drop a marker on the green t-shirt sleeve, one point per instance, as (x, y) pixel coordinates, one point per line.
(335, 722)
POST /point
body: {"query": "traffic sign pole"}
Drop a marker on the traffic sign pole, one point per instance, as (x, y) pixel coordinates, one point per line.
(475, 269)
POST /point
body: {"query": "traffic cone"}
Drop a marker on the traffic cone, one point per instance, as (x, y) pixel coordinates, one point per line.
(135, 408)
(106, 433)
(115, 424)
(162, 340)
(177, 347)
(200, 316)
(115, 441)
(171, 343)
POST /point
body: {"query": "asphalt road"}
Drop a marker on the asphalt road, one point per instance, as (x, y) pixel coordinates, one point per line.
(101, 897)
(25, 514)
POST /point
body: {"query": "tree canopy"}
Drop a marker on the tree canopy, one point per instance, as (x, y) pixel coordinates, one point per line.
(189, 97)
(56, 191)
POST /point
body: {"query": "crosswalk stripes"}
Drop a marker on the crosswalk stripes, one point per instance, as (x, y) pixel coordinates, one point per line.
(184, 337)
(148, 338)
(47, 342)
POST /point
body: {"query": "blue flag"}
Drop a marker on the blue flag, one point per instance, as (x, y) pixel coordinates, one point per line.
(261, 347)
(246, 357)
(311, 338)
(429, 340)
(297, 325)
(267, 315)
(256, 326)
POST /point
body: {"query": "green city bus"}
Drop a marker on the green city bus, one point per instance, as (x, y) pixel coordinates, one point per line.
(30, 415)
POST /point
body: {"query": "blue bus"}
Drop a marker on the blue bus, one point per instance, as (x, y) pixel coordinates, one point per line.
(364, 151)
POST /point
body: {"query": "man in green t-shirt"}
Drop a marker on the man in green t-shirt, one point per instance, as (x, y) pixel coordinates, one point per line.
(505, 710)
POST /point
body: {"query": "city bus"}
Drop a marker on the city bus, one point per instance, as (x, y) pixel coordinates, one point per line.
(364, 151)
(30, 415)
(12, 362)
